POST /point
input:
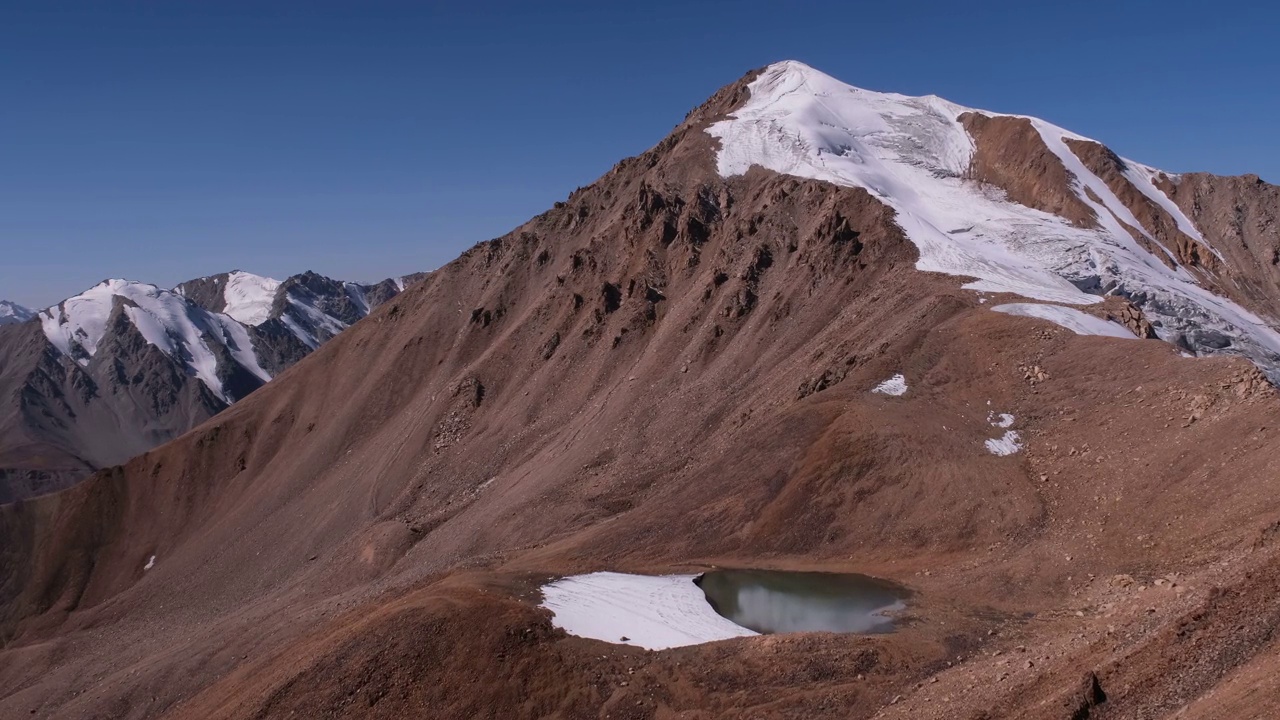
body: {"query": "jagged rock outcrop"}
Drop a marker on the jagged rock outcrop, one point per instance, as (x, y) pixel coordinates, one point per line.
(1130, 316)
(1010, 154)
(1241, 218)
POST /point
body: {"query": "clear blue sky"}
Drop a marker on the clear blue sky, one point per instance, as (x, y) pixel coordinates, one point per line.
(166, 140)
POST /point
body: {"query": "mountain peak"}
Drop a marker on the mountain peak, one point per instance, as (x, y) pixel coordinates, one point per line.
(923, 157)
(249, 297)
(11, 312)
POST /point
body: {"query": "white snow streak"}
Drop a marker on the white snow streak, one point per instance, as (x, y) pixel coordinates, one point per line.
(1143, 178)
(1069, 318)
(357, 294)
(315, 318)
(654, 612)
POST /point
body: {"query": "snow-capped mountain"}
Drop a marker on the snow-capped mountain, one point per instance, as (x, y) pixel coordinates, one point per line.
(314, 308)
(1016, 203)
(697, 356)
(289, 318)
(125, 365)
(11, 312)
(193, 338)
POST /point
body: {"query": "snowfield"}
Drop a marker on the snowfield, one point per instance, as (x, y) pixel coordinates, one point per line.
(1069, 318)
(653, 612)
(249, 297)
(913, 153)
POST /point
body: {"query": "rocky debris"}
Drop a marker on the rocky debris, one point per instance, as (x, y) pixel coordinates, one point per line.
(1089, 696)
(1130, 316)
(829, 377)
(549, 347)
(1033, 374)
(1252, 384)
(470, 390)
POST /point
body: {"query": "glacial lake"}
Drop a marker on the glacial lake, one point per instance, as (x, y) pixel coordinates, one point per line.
(776, 601)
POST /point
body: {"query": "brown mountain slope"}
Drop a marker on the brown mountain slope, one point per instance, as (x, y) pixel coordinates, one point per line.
(668, 370)
(1242, 215)
(61, 420)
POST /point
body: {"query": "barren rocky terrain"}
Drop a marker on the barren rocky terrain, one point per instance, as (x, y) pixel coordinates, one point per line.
(671, 370)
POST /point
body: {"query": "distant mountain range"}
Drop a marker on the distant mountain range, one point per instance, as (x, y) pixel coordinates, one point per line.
(125, 366)
(13, 313)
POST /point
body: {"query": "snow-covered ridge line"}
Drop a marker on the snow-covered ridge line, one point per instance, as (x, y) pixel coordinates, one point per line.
(11, 312)
(913, 153)
(175, 326)
(200, 321)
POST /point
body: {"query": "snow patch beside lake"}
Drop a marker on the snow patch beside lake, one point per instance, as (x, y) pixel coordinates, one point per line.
(651, 611)
(1069, 318)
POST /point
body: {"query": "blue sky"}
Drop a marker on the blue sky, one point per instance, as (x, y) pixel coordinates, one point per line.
(164, 141)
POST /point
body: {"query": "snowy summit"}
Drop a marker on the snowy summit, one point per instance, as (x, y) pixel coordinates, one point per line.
(179, 329)
(914, 154)
(11, 312)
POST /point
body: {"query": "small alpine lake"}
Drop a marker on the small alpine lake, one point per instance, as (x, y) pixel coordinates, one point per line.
(777, 601)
